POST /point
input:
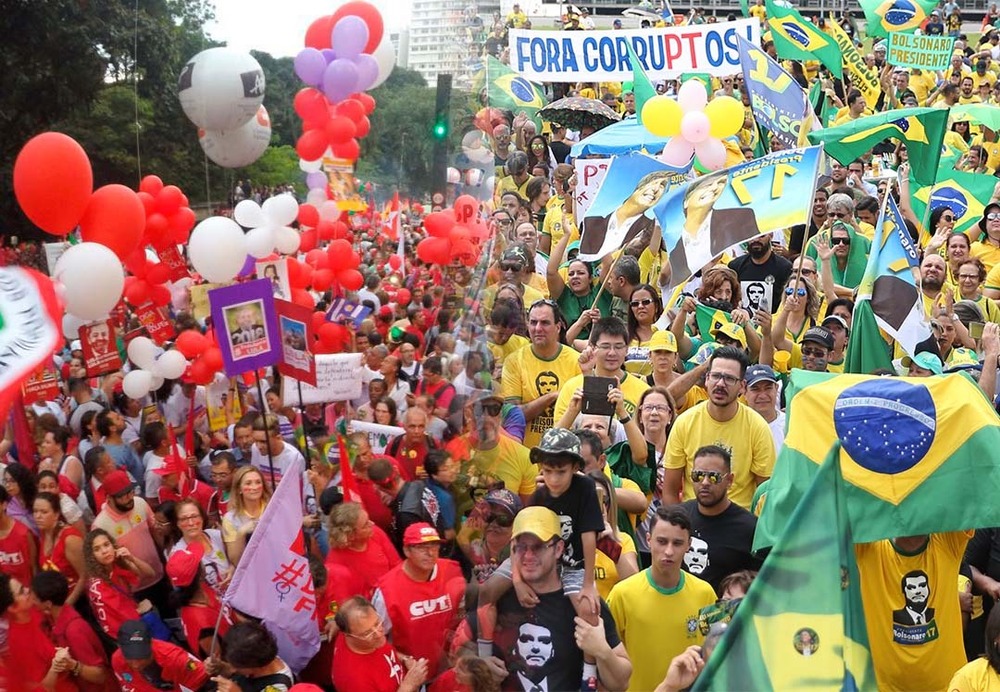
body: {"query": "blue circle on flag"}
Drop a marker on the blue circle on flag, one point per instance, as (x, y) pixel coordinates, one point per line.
(886, 425)
(952, 198)
(521, 89)
(900, 13)
(796, 33)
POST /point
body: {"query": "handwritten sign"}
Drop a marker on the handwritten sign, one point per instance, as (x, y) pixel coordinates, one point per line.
(338, 378)
(923, 52)
(589, 176)
(378, 435)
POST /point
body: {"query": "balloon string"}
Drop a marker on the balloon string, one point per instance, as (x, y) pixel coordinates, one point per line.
(135, 88)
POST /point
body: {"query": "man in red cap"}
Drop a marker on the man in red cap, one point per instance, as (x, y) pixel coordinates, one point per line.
(419, 599)
(179, 484)
(143, 663)
(199, 605)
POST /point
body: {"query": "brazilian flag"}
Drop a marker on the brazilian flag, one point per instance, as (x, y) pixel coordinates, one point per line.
(797, 39)
(906, 444)
(895, 16)
(922, 129)
(709, 319)
(966, 194)
(802, 623)
(508, 90)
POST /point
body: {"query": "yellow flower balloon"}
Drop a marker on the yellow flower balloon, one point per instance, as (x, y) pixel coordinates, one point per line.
(661, 115)
(725, 115)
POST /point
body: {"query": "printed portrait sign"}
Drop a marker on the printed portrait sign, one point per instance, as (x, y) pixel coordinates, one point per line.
(246, 325)
(276, 273)
(98, 340)
(41, 385)
(154, 319)
(295, 327)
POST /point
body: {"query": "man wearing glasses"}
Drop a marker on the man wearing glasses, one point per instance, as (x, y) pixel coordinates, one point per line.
(722, 421)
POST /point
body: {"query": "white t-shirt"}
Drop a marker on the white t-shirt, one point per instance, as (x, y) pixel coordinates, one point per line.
(152, 481)
(778, 431)
(177, 408)
(216, 563)
(282, 462)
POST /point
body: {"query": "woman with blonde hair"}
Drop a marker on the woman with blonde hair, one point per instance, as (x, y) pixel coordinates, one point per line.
(246, 505)
(360, 552)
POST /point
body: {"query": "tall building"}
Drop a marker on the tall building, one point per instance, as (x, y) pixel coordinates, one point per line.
(400, 41)
(437, 33)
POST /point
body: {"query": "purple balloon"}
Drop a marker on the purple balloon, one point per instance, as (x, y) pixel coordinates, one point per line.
(329, 55)
(248, 266)
(316, 179)
(367, 71)
(349, 36)
(309, 66)
(340, 80)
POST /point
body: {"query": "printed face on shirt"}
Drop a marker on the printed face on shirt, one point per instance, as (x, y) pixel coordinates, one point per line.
(534, 644)
(916, 591)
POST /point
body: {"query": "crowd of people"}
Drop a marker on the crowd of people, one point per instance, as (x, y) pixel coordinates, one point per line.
(557, 467)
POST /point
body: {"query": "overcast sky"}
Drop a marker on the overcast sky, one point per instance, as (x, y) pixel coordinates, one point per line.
(278, 27)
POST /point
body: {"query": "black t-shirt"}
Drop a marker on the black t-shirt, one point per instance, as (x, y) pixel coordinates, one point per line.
(761, 281)
(560, 150)
(538, 644)
(415, 503)
(720, 545)
(579, 511)
(933, 28)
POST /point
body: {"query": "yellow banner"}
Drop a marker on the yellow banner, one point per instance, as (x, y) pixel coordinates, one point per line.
(863, 78)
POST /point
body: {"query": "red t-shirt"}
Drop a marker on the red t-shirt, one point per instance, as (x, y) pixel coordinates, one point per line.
(15, 558)
(176, 666)
(57, 561)
(111, 600)
(373, 504)
(379, 671)
(443, 392)
(33, 653)
(197, 491)
(197, 618)
(410, 457)
(421, 614)
(365, 567)
(71, 630)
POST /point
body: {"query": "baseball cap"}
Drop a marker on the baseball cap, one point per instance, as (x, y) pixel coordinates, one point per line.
(183, 565)
(733, 331)
(117, 483)
(991, 207)
(421, 532)
(838, 319)
(663, 340)
(962, 359)
(819, 335)
(537, 520)
(925, 360)
(760, 373)
(515, 253)
(134, 640)
(501, 497)
(557, 442)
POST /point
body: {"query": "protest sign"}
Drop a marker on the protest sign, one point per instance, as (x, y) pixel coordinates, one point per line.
(41, 385)
(100, 352)
(295, 328)
(199, 299)
(53, 251)
(246, 325)
(863, 78)
(338, 378)
(159, 328)
(276, 273)
(602, 56)
(177, 265)
(923, 52)
(223, 403)
(378, 435)
(343, 310)
(779, 103)
(589, 175)
(702, 219)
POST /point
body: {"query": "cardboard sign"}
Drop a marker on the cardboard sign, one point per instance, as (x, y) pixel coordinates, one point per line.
(378, 435)
(589, 175)
(98, 341)
(924, 52)
(246, 324)
(338, 378)
(41, 385)
(223, 402)
(174, 262)
(154, 319)
(295, 328)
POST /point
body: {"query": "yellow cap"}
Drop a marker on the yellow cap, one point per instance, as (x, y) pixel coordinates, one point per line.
(663, 340)
(539, 521)
(733, 331)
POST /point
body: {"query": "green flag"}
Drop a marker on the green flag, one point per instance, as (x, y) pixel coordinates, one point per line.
(797, 39)
(506, 89)
(922, 129)
(893, 16)
(867, 350)
(966, 194)
(801, 624)
(641, 87)
(709, 319)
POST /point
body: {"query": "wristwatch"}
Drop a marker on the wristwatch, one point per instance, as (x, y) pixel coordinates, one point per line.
(626, 419)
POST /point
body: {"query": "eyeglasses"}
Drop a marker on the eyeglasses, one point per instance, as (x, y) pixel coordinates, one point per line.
(813, 353)
(808, 272)
(524, 548)
(502, 520)
(801, 292)
(730, 380)
(968, 277)
(642, 302)
(655, 408)
(840, 241)
(371, 635)
(714, 477)
(617, 348)
(189, 518)
(511, 267)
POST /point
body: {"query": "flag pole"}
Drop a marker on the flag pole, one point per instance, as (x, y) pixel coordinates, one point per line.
(305, 436)
(263, 408)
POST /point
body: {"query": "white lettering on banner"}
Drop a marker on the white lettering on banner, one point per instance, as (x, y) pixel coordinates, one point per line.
(421, 609)
(589, 175)
(602, 56)
(338, 378)
(374, 430)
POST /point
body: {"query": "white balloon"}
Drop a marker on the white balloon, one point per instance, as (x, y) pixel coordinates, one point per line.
(260, 242)
(71, 326)
(286, 240)
(385, 56)
(239, 146)
(157, 383)
(329, 211)
(93, 279)
(310, 166)
(171, 365)
(217, 249)
(316, 197)
(137, 383)
(221, 88)
(143, 351)
(281, 210)
(248, 214)
(475, 148)
(453, 176)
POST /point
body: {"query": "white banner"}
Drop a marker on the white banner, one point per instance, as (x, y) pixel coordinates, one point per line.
(602, 56)
(589, 174)
(338, 378)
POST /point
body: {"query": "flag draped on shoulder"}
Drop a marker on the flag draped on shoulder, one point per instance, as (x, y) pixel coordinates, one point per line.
(801, 624)
(796, 38)
(273, 581)
(921, 129)
(906, 443)
(895, 16)
(966, 194)
(507, 89)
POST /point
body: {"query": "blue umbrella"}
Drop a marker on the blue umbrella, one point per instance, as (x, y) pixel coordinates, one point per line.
(619, 138)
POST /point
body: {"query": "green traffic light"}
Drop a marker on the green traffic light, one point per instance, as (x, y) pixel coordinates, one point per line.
(440, 130)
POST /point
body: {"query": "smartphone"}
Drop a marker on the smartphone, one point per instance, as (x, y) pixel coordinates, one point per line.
(595, 395)
(976, 329)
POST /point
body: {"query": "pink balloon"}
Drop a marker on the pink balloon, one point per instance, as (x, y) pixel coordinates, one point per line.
(695, 126)
(677, 152)
(692, 96)
(711, 153)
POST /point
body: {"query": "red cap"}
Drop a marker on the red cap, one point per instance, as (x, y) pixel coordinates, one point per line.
(171, 464)
(117, 482)
(182, 565)
(421, 532)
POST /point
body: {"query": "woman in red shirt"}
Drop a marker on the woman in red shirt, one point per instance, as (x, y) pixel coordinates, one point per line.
(31, 658)
(112, 573)
(60, 545)
(18, 548)
(360, 553)
(199, 606)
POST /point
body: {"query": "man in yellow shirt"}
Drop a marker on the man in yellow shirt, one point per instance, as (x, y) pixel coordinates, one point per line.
(759, 11)
(517, 18)
(967, 93)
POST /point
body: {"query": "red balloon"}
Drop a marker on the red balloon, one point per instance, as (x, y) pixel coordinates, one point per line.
(151, 185)
(160, 295)
(371, 16)
(311, 104)
(367, 100)
(53, 182)
(458, 233)
(213, 358)
(156, 225)
(169, 200)
(318, 33)
(466, 208)
(349, 150)
(181, 222)
(137, 264)
(403, 296)
(200, 372)
(302, 297)
(324, 230)
(341, 129)
(353, 261)
(434, 250)
(439, 223)
(307, 240)
(351, 108)
(299, 274)
(318, 320)
(158, 273)
(115, 218)
(465, 252)
(191, 343)
(317, 259)
(136, 292)
(339, 253)
(322, 279)
(339, 230)
(308, 215)
(351, 279)
(362, 128)
(148, 202)
(395, 262)
(312, 145)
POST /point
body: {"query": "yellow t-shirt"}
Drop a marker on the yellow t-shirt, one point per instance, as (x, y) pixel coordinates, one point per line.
(747, 436)
(531, 294)
(978, 79)
(964, 100)
(657, 624)
(507, 462)
(526, 377)
(922, 83)
(507, 184)
(975, 676)
(956, 141)
(904, 652)
(759, 12)
(606, 571)
(555, 224)
(501, 351)
(632, 389)
(992, 150)
(988, 254)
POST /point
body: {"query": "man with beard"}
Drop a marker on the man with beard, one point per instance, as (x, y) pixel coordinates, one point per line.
(933, 271)
(722, 420)
(817, 220)
(761, 267)
(725, 527)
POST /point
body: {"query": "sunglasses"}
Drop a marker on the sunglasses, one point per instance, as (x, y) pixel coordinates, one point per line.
(502, 520)
(643, 302)
(490, 408)
(840, 241)
(510, 267)
(801, 292)
(993, 216)
(714, 477)
(947, 218)
(813, 353)
(836, 215)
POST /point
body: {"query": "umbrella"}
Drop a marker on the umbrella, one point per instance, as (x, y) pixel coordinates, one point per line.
(619, 138)
(576, 112)
(980, 113)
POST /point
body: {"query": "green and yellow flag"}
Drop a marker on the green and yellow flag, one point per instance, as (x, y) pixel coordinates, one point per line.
(499, 86)
(802, 624)
(797, 39)
(966, 194)
(709, 319)
(922, 129)
(895, 16)
(863, 78)
(907, 443)
(640, 86)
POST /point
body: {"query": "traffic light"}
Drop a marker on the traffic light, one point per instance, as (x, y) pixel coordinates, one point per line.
(439, 134)
(440, 129)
